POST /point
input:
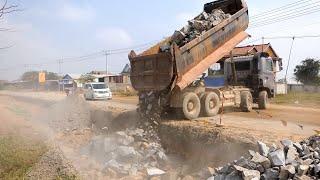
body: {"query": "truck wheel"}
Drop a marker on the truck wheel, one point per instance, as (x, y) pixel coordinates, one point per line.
(246, 101)
(210, 104)
(263, 100)
(191, 106)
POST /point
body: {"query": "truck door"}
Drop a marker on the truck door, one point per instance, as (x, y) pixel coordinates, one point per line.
(267, 73)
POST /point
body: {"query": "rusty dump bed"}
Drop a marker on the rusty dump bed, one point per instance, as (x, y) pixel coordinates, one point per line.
(156, 71)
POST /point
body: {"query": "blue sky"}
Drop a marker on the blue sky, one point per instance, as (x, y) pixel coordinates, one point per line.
(49, 30)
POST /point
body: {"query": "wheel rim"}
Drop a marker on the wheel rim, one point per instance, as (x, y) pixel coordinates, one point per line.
(190, 106)
(212, 104)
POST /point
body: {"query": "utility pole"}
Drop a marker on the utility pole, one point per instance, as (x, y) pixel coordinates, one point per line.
(25, 67)
(107, 67)
(60, 61)
(289, 59)
(262, 44)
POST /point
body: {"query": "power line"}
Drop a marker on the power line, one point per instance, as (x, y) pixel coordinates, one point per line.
(285, 12)
(87, 56)
(280, 8)
(288, 12)
(283, 18)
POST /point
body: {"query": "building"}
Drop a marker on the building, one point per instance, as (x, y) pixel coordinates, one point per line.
(70, 81)
(122, 78)
(253, 49)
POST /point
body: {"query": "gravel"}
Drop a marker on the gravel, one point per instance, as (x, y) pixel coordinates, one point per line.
(291, 161)
(52, 165)
(196, 27)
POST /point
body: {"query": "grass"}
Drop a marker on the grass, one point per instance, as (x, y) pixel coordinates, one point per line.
(299, 99)
(17, 155)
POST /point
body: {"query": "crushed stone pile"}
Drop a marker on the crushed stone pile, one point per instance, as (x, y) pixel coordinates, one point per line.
(196, 27)
(292, 161)
(52, 165)
(70, 114)
(130, 153)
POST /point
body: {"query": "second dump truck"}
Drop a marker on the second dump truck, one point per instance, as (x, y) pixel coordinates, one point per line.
(170, 79)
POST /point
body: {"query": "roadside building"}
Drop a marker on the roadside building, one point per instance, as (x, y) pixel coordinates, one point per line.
(121, 78)
(253, 49)
(70, 81)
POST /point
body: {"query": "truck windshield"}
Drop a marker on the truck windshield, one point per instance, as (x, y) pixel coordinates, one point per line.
(243, 66)
(99, 86)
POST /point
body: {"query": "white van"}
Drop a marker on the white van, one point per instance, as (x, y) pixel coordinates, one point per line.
(96, 91)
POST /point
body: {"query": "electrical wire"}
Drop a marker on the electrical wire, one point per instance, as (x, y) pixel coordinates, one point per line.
(284, 18)
(280, 8)
(287, 12)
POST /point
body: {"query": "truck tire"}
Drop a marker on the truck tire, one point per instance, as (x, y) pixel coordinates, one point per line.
(210, 104)
(191, 106)
(246, 101)
(263, 100)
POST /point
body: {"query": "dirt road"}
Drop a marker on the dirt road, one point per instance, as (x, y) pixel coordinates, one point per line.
(240, 131)
(279, 119)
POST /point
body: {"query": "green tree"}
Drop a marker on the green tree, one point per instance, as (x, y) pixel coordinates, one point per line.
(308, 72)
(86, 78)
(52, 76)
(33, 76)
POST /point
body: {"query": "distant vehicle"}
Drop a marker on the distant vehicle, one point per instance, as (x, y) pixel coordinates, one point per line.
(97, 91)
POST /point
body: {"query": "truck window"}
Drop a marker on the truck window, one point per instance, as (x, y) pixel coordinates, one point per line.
(269, 65)
(243, 66)
(216, 69)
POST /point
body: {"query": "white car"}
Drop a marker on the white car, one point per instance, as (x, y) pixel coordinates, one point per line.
(97, 91)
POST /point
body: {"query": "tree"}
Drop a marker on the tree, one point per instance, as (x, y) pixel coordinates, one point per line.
(52, 76)
(33, 76)
(86, 78)
(7, 9)
(308, 72)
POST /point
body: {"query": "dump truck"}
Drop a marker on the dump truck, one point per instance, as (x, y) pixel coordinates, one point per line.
(169, 79)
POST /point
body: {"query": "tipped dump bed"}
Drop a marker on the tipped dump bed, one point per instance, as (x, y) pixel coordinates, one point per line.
(154, 70)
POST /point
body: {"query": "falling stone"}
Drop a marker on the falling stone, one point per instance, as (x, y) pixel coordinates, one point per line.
(298, 147)
(178, 37)
(277, 158)
(218, 177)
(302, 170)
(251, 175)
(287, 143)
(233, 176)
(248, 174)
(265, 162)
(286, 172)
(292, 154)
(155, 172)
(317, 169)
(270, 174)
(263, 149)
